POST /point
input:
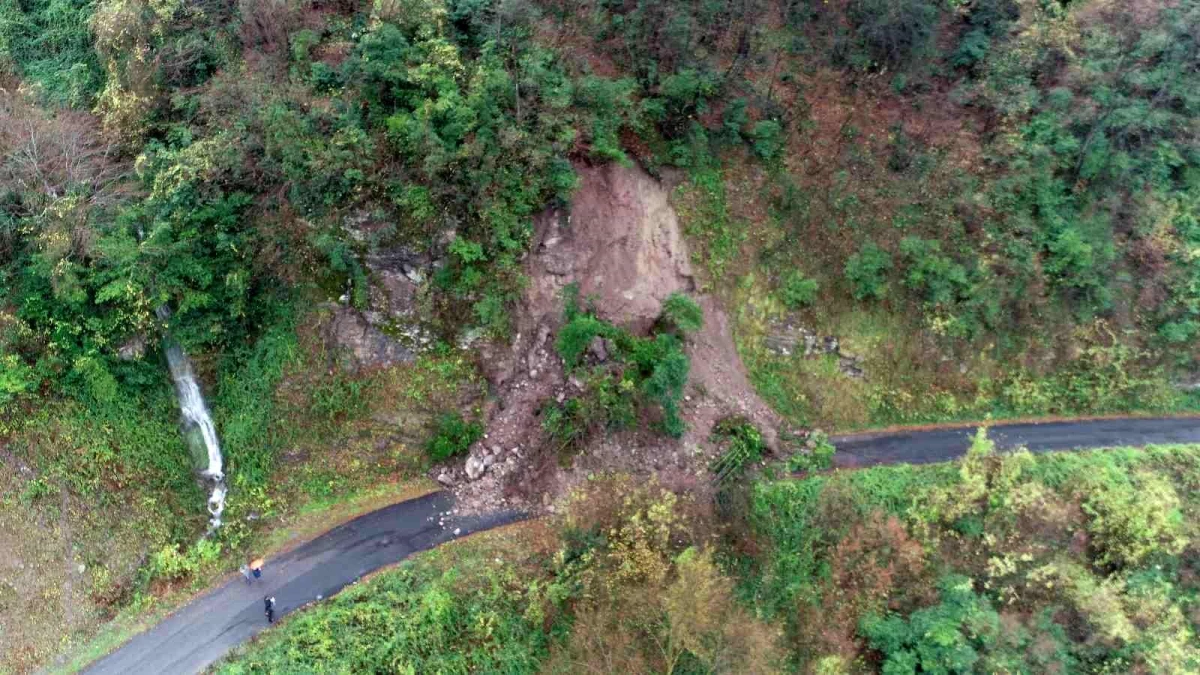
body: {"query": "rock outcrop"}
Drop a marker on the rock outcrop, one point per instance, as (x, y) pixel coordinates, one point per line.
(620, 241)
(360, 345)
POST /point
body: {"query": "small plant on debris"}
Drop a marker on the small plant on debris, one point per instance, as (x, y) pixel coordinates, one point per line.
(798, 290)
(683, 313)
(741, 443)
(817, 454)
(452, 435)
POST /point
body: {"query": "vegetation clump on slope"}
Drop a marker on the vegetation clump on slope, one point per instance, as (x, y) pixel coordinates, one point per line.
(639, 372)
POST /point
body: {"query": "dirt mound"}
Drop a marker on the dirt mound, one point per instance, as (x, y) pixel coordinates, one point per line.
(718, 373)
(620, 241)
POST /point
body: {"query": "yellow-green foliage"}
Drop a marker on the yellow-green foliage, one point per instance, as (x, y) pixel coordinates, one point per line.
(1132, 520)
(653, 598)
(1085, 555)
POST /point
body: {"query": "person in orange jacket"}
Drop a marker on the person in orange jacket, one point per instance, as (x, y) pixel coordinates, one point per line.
(256, 568)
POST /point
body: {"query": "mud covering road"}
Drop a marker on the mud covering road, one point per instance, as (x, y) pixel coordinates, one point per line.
(939, 445)
(207, 628)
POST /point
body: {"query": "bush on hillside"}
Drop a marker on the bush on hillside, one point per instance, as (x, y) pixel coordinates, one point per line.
(891, 33)
(683, 313)
(452, 435)
(798, 290)
(867, 272)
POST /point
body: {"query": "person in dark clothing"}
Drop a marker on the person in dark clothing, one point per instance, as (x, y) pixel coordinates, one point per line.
(269, 608)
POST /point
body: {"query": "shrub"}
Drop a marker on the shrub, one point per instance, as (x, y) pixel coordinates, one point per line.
(664, 385)
(946, 638)
(819, 455)
(798, 290)
(942, 280)
(734, 119)
(1132, 521)
(172, 564)
(50, 42)
(656, 368)
(452, 435)
(766, 138)
(892, 33)
(576, 336)
(971, 49)
(651, 599)
(606, 404)
(16, 378)
(741, 444)
(867, 272)
(683, 313)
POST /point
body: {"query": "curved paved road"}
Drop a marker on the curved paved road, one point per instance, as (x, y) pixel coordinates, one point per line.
(939, 445)
(207, 628)
(203, 631)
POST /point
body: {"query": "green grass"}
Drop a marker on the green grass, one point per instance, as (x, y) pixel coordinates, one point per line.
(50, 42)
(716, 236)
(910, 380)
(244, 403)
(109, 484)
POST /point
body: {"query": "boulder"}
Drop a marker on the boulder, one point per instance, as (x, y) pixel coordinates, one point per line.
(598, 350)
(361, 344)
(474, 468)
(132, 349)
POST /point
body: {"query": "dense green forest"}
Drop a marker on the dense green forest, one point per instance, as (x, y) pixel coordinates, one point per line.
(992, 207)
(205, 156)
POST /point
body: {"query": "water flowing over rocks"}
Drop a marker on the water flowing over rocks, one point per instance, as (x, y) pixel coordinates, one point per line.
(198, 426)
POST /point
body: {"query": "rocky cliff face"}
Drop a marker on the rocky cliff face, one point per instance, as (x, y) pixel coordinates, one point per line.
(620, 241)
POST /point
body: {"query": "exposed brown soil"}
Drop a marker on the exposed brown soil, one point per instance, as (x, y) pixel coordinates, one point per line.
(620, 241)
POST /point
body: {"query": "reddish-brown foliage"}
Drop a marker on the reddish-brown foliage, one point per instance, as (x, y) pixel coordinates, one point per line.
(876, 566)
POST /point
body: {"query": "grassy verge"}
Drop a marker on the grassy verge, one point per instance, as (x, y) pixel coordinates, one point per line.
(623, 581)
(463, 607)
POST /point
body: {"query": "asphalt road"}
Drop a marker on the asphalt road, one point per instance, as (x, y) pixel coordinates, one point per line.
(210, 626)
(206, 629)
(939, 445)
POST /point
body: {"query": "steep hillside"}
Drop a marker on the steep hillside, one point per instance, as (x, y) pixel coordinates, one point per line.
(510, 245)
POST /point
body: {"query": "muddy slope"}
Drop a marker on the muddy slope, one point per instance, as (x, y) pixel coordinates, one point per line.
(621, 242)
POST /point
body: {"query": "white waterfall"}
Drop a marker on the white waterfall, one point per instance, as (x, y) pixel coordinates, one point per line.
(197, 421)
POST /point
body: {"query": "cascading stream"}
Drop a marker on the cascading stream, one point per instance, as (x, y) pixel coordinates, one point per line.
(198, 425)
